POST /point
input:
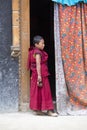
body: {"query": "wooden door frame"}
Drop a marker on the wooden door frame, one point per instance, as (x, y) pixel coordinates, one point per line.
(22, 7)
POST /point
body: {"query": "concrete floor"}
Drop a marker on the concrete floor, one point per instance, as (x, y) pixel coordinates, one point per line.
(28, 121)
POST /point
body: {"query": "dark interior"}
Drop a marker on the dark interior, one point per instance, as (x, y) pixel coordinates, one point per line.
(41, 23)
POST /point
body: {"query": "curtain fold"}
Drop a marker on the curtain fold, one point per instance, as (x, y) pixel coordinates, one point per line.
(69, 2)
(71, 58)
(61, 92)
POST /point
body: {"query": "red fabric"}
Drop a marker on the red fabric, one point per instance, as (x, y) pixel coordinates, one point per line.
(29, 58)
(85, 11)
(73, 37)
(40, 97)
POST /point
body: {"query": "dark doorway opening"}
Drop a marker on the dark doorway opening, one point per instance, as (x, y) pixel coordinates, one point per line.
(41, 23)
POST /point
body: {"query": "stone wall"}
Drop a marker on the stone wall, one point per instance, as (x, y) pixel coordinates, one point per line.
(8, 65)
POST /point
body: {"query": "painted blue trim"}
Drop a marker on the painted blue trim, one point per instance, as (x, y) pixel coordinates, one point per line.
(69, 2)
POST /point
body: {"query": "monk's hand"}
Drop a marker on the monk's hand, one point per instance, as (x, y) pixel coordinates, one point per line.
(39, 81)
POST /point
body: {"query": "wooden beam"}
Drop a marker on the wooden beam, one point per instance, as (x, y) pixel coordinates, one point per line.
(15, 23)
(25, 43)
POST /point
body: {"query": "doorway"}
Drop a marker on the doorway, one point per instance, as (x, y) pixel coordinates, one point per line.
(41, 23)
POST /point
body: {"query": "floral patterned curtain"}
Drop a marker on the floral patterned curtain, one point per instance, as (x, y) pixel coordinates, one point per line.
(70, 28)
